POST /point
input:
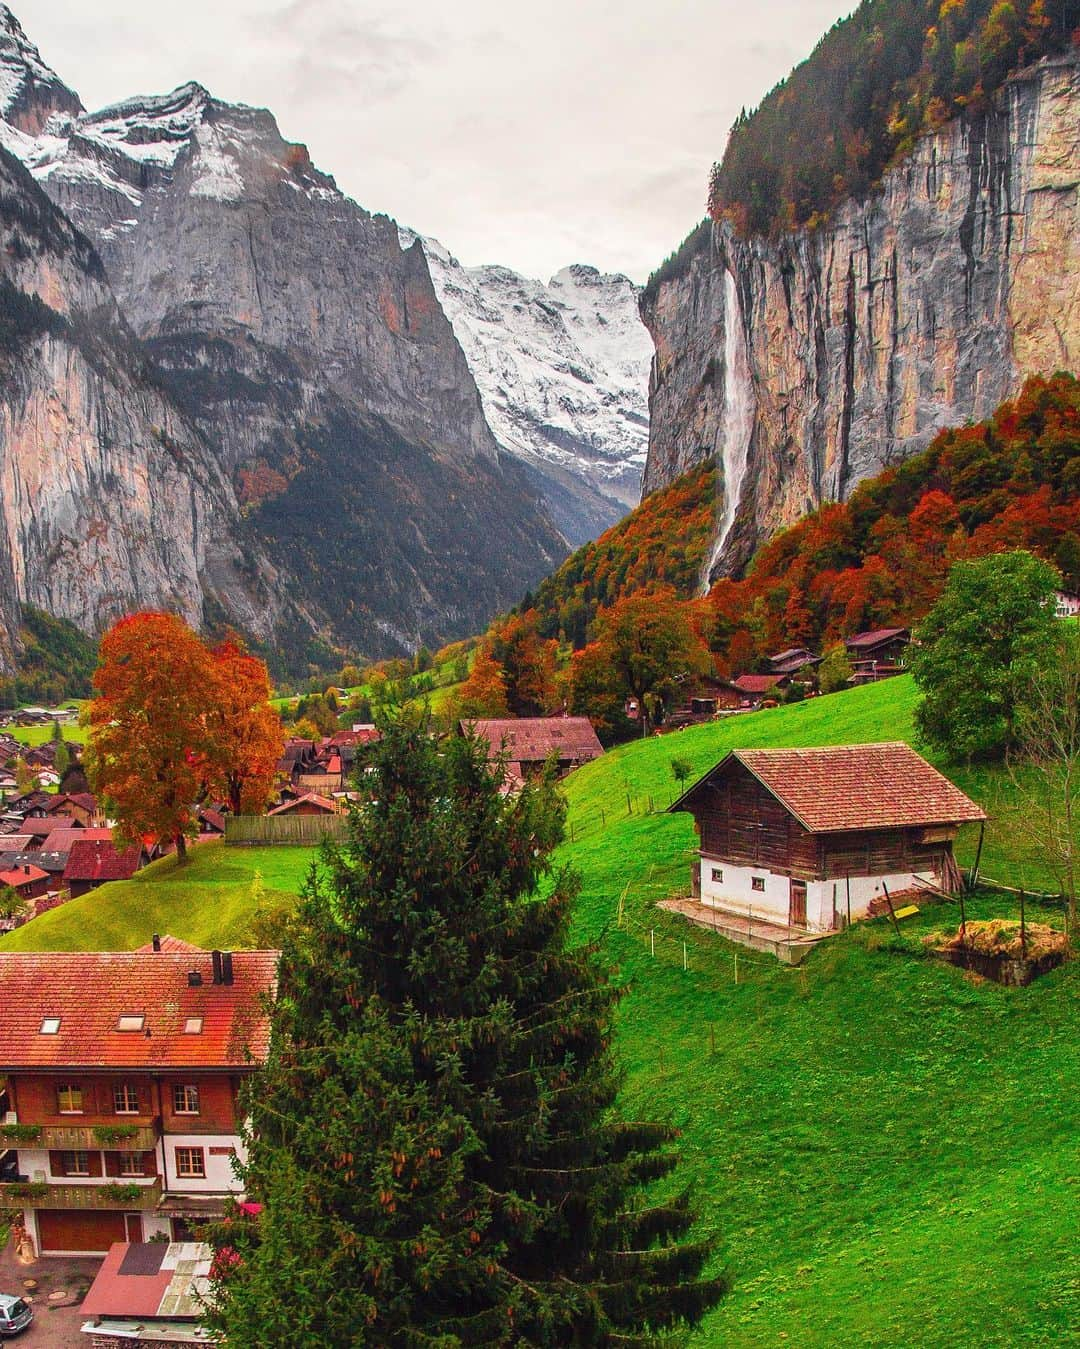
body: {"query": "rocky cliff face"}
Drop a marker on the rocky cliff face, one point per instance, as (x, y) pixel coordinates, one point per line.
(562, 370)
(806, 363)
(109, 499)
(290, 330)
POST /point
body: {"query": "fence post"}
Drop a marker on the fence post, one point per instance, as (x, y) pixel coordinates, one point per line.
(1023, 929)
(736, 967)
(629, 806)
(652, 941)
(684, 956)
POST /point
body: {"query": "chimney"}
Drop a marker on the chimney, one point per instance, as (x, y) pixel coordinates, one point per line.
(215, 958)
(226, 967)
(156, 940)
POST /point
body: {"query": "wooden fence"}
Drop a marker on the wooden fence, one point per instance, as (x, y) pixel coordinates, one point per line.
(305, 831)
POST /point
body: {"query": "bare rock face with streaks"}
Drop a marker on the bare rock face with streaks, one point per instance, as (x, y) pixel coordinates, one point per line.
(921, 307)
(109, 500)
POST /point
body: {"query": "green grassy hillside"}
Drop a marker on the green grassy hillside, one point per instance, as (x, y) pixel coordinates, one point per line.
(884, 1150)
(211, 901)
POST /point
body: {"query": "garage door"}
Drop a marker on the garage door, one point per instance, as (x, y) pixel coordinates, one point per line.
(73, 1230)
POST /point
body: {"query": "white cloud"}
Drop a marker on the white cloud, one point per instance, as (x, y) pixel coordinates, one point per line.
(532, 135)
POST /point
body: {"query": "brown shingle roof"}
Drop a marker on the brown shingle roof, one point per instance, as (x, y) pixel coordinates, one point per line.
(845, 787)
(90, 990)
(535, 739)
(872, 638)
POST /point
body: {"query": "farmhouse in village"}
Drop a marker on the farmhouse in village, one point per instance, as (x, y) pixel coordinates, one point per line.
(787, 835)
(529, 742)
(122, 1078)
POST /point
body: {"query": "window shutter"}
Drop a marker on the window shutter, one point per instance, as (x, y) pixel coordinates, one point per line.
(93, 1163)
(56, 1163)
(149, 1163)
(112, 1164)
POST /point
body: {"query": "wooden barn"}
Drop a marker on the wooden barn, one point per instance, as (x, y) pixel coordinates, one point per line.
(788, 835)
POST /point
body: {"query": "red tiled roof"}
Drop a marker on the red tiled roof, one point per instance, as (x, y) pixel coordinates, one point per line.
(751, 683)
(313, 798)
(24, 875)
(101, 860)
(171, 944)
(534, 739)
(63, 839)
(846, 787)
(90, 990)
(874, 636)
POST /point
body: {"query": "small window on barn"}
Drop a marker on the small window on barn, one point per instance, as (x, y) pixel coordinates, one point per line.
(50, 1025)
(718, 873)
(193, 1025)
(757, 883)
(133, 1021)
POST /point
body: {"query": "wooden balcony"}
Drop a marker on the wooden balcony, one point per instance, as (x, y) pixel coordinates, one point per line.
(93, 1196)
(86, 1138)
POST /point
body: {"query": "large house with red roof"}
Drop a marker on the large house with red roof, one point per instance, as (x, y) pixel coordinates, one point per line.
(122, 1072)
(802, 837)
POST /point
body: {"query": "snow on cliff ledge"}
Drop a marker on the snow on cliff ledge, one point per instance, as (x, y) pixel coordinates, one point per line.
(562, 368)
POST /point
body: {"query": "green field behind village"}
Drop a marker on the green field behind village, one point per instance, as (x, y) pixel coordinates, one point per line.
(884, 1151)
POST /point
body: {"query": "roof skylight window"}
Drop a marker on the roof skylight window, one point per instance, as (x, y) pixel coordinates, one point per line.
(193, 1025)
(130, 1022)
(50, 1025)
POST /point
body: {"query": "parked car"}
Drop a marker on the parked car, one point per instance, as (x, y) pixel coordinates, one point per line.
(15, 1314)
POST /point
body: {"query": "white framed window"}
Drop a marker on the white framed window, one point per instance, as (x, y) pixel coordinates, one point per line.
(69, 1100)
(718, 874)
(757, 883)
(131, 1164)
(193, 1025)
(185, 1099)
(190, 1163)
(131, 1021)
(125, 1099)
(75, 1163)
(50, 1025)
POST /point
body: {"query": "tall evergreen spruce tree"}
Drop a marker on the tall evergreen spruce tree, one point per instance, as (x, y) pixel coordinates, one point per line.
(433, 1137)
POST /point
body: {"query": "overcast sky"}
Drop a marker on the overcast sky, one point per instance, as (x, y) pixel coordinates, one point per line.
(528, 134)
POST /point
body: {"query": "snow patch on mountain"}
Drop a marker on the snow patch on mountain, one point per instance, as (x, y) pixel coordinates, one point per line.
(562, 368)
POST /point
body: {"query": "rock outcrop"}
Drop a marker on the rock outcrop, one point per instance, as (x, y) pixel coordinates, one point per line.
(921, 307)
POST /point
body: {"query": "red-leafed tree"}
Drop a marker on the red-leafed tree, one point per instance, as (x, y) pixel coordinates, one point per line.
(246, 729)
(151, 738)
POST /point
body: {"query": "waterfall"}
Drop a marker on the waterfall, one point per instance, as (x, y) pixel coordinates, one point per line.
(737, 425)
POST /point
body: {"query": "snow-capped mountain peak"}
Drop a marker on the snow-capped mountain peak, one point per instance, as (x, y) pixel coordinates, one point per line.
(30, 92)
(563, 372)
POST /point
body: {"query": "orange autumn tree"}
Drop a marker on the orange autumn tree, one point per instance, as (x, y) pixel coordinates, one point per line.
(150, 736)
(173, 723)
(484, 692)
(247, 730)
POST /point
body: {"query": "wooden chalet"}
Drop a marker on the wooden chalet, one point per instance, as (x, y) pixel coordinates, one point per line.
(793, 660)
(527, 743)
(877, 654)
(793, 836)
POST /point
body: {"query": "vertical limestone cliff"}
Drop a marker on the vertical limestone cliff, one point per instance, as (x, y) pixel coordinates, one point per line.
(109, 499)
(922, 306)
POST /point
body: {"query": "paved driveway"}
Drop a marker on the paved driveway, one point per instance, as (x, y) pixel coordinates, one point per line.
(53, 1327)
